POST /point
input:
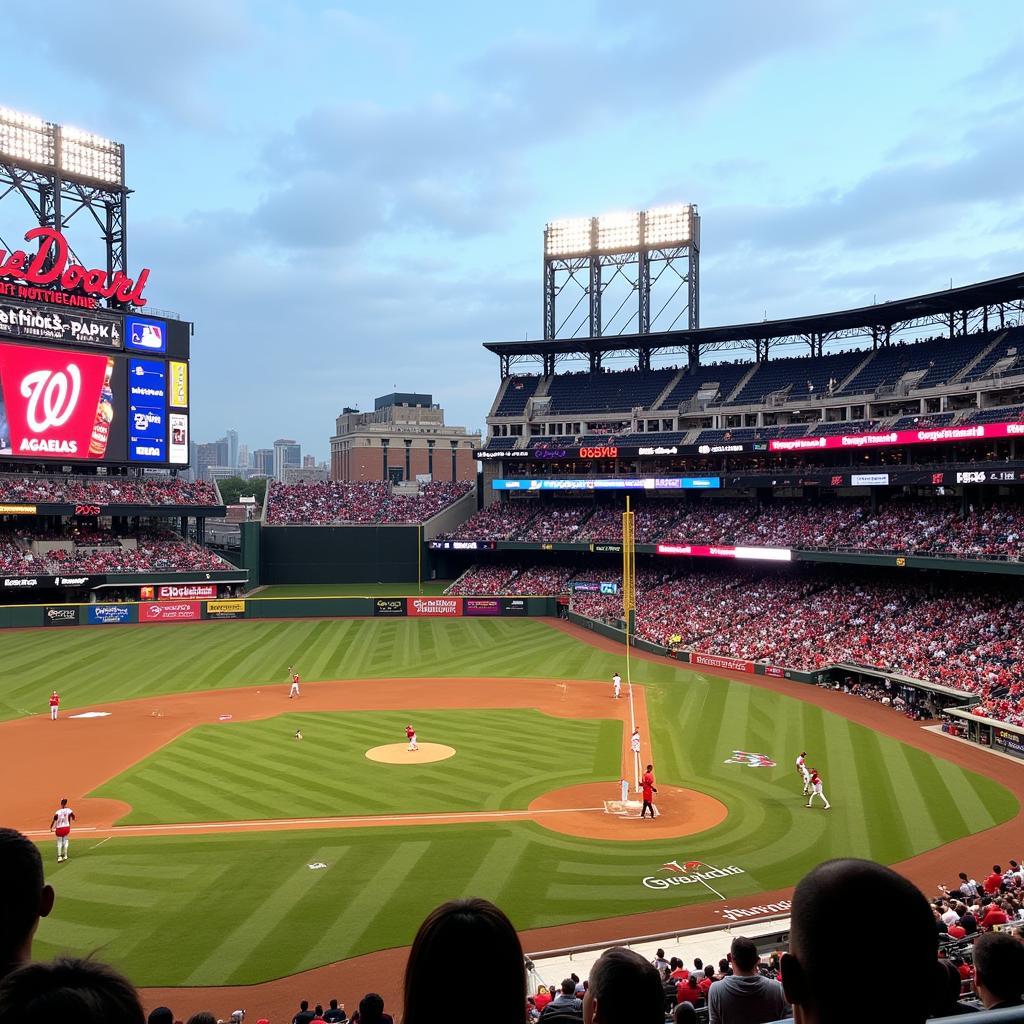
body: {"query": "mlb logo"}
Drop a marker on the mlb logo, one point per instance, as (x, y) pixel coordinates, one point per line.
(148, 336)
(144, 335)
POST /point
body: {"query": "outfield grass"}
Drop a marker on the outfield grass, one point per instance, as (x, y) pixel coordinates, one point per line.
(256, 770)
(430, 588)
(217, 909)
(106, 663)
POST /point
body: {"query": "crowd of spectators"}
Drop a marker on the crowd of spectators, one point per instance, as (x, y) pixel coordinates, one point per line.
(337, 501)
(78, 550)
(99, 490)
(940, 952)
(902, 525)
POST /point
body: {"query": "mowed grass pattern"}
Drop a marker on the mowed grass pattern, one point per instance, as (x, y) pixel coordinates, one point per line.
(258, 770)
(108, 663)
(214, 909)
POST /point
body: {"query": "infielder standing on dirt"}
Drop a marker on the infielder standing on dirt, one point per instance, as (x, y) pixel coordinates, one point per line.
(54, 705)
(294, 691)
(617, 685)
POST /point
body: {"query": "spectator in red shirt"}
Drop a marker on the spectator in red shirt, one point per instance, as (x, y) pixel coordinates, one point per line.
(994, 882)
(993, 915)
(708, 980)
(690, 991)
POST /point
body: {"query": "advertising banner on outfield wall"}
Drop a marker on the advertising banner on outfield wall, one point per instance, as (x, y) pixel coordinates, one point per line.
(225, 609)
(715, 661)
(481, 606)
(774, 670)
(513, 606)
(445, 607)
(168, 611)
(63, 616)
(186, 591)
(108, 614)
(388, 606)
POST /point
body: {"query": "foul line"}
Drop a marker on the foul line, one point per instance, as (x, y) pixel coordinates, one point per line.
(455, 816)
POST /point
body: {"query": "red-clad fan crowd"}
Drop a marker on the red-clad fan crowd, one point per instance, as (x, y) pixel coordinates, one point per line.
(77, 551)
(901, 525)
(335, 501)
(114, 490)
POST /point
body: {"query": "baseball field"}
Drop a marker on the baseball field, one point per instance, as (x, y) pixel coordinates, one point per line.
(215, 848)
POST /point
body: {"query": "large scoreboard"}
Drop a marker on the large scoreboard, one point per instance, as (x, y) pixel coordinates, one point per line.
(92, 385)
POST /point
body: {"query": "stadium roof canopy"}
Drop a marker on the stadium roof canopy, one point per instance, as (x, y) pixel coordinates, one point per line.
(963, 310)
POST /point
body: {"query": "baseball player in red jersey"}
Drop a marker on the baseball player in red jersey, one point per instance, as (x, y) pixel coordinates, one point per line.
(817, 790)
(647, 785)
(294, 691)
(410, 735)
(54, 705)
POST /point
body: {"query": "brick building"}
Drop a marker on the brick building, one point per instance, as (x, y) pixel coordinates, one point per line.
(404, 437)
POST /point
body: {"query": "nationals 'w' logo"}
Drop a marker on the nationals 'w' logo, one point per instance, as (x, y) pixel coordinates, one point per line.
(57, 396)
(747, 758)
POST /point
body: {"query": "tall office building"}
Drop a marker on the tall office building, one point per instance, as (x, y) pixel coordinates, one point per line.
(263, 461)
(232, 439)
(286, 453)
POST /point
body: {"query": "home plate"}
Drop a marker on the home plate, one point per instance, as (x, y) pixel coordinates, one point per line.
(91, 714)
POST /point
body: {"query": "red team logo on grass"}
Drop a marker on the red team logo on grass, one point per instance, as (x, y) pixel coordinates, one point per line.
(752, 760)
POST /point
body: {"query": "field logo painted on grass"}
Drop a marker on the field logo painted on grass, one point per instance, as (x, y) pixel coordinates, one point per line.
(738, 913)
(691, 872)
(752, 760)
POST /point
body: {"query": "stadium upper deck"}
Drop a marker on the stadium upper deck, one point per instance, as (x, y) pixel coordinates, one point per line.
(889, 378)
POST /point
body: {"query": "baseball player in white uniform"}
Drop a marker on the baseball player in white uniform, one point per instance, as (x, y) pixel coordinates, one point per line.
(634, 742)
(624, 783)
(61, 828)
(294, 691)
(801, 767)
(617, 685)
(816, 790)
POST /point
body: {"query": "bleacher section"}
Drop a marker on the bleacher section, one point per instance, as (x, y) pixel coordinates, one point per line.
(518, 392)
(726, 375)
(607, 391)
(1009, 346)
(940, 358)
(803, 377)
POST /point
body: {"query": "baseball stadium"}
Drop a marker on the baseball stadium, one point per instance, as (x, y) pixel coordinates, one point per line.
(706, 608)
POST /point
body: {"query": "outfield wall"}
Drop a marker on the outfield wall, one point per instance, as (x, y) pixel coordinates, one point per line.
(125, 613)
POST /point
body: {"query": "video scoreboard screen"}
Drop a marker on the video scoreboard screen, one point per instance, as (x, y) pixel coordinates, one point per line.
(93, 386)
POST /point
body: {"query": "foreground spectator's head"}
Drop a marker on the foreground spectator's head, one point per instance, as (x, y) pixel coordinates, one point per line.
(684, 1013)
(624, 989)
(476, 938)
(24, 898)
(202, 1017)
(371, 1009)
(69, 989)
(744, 955)
(999, 969)
(160, 1015)
(827, 899)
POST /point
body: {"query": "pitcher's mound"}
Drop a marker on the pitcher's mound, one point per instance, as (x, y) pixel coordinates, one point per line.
(399, 753)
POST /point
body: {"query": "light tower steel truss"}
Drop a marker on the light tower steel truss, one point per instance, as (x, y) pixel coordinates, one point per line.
(622, 274)
(62, 174)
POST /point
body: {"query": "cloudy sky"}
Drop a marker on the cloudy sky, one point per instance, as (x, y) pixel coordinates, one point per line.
(349, 197)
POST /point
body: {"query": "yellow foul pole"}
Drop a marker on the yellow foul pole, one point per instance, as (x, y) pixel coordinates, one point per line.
(629, 614)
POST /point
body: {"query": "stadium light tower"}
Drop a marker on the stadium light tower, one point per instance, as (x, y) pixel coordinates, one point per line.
(585, 256)
(60, 172)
